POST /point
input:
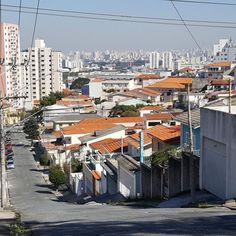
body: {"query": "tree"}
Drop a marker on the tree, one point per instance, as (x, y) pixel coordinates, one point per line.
(31, 128)
(125, 110)
(43, 160)
(129, 114)
(79, 83)
(51, 99)
(57, 176)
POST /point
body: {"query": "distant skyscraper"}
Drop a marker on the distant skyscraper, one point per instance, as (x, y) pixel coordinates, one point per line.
(10, 69)
(154, 60)
(42, 75)
(167, 60)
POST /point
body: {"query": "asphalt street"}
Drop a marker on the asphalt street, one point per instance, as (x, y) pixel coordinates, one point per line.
(40, 209)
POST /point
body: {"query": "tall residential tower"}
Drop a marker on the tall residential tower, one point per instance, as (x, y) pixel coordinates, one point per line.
(43, 74)
(10, 68)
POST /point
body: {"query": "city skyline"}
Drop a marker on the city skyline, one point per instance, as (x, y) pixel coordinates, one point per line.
(92, 34)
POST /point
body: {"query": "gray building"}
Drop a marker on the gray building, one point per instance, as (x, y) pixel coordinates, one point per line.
(218, 148)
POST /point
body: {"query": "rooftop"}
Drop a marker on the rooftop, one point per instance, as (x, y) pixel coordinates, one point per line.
(83, 128)
(98, 133)
(148, 76)
(74, 117)
(112, 120)
(195, 118)
(109, 145)
(166, 134)
(128, 163)
(220, 64)
(159, 116)
(151, 108)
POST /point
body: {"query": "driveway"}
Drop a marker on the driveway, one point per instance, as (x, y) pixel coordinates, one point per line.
(47, 216)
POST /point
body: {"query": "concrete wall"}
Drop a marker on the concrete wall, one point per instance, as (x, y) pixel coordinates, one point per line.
(174, 177)
(218, 159)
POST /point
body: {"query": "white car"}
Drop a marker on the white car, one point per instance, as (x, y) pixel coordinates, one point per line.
(10, 164)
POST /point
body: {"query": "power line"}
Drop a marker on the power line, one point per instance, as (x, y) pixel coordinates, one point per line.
(133, 21)
(187, 28)
(34, 30)
(111, 15)
(203, 2)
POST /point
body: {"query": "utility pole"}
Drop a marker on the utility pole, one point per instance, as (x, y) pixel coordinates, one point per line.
(230, 99)
(191, 158)
(3, 159)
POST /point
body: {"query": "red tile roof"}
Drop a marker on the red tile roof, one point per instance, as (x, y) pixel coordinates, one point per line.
(109, 145)
(219, 82)
(113, 120)
(96, 175)
(159, 116)
(165, 133)
(86, 128)
(172, 83)
(148, 76)
(220, 64)
(151, 108)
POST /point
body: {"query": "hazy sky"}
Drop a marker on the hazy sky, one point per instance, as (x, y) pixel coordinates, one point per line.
(69, 34)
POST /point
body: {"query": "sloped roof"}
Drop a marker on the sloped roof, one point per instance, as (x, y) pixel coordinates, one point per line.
(109, 145)
(128, 163)
(220, 82)
(220, 64)
(83, 128)
(113, 120)
(195, 118)
(148, 76)
(159, 116)
(166, 133)
(151, 108)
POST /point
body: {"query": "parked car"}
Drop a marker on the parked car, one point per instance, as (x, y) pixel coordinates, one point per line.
(9, 152)
(10, 158)
(10, 164)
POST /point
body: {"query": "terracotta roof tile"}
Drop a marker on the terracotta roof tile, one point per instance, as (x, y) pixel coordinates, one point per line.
(57, 134)
(151, 108)
(113, 120)
(72, 147)
(186, 69)
(148, 76)
(165, 133)
(109, 145)
(220, 64)
(219, 82)
(86, 128)
(159, 116)
(96, 175)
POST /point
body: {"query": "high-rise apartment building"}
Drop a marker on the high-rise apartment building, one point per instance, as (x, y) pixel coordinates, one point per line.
(154, 59)
(167, 60)
(10, 69)
(217, 48)
(43, 74)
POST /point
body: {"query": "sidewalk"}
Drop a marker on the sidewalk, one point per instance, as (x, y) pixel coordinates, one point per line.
(6, 218)
(184, 200)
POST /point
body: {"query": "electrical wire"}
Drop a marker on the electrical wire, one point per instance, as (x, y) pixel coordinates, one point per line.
(48, 10)
(233, 26)
(203, 2)
(33, 34)
(187, 28)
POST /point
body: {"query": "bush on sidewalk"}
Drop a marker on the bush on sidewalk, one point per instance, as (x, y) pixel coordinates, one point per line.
(43, 160)
(57, 176)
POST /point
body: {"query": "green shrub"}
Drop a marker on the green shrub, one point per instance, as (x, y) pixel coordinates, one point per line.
(57, 176)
